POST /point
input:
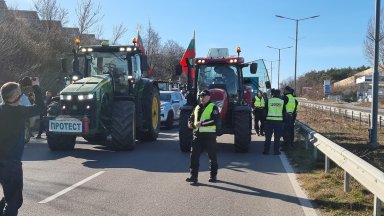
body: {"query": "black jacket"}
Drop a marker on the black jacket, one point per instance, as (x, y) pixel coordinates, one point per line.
(12, 127)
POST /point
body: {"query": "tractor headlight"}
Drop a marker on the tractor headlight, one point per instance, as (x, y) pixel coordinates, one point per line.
(66, 97)
(75, 78)
(85, 97)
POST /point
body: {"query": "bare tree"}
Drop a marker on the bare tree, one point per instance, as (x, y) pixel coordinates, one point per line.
(369, 42)
(99, 32)
(152, 44)
(170, 55)
(118, 33)
(49, 10)
(88, 15)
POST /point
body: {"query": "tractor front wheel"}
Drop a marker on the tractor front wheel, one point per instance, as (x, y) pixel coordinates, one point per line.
(185, 133)
(242, 131)
(57, 142)
(123, 125)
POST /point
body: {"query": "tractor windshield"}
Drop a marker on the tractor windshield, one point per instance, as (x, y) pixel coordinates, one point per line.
(108, 62)
(218, 76)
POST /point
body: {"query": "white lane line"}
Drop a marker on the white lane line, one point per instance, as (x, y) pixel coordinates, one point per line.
(305, 203)
(71, 187)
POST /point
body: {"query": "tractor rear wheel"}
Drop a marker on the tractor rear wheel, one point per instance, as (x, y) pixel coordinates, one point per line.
(151, 114)
(242, 131)
(169, 121)
(123, 125)
(185, 133)
(57, 142)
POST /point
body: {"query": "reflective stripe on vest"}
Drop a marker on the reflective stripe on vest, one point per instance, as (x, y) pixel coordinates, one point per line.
(259, 102)
(291, 105)
(206, 115)
(275, 109)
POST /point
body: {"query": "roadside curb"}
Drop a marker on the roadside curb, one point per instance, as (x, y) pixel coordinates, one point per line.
(305, 203)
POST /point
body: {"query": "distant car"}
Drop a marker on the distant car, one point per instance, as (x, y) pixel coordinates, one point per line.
(170, 104)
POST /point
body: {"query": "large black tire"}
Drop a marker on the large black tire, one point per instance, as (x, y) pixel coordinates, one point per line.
(97, 138)
(58, 142)
(185, 133)
(242, 130)
(151, 114)
(123, 126)
(169, 121)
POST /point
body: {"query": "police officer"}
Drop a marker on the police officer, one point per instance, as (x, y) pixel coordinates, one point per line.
(203, 121)
(291, 108)
(275, 111)
(258, 113)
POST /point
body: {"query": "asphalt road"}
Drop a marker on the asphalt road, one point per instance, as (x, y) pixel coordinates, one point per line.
(150, 180)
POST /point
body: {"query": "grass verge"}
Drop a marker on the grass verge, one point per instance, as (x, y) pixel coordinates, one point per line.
(326, 189)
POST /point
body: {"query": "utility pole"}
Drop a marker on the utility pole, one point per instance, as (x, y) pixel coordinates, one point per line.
(375, 81)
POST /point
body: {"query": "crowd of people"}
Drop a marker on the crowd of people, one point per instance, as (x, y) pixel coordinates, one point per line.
(275, 115)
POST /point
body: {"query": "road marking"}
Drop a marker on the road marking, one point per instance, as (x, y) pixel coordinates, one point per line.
(301, 196)
(71, 187)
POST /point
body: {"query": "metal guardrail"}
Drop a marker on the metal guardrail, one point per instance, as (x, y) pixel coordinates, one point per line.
(368, 176)
(354, 115)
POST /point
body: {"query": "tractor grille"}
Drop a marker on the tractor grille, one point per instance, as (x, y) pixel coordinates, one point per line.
(75, 107)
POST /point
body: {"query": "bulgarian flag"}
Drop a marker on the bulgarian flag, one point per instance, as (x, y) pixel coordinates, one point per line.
(189, 54)
(141, 47)
(140, 43)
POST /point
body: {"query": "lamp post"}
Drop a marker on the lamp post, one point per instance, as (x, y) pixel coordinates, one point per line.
(278, 68)
(297, 34)
(271, 68)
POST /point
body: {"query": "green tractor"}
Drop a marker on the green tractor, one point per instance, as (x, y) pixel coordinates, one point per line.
(108, 101)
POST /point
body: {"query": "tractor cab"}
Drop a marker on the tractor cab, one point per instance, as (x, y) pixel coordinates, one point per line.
(222, 75)
(121, 64)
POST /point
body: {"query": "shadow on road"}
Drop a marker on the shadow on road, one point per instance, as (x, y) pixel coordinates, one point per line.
(164, 155)
(252, 191)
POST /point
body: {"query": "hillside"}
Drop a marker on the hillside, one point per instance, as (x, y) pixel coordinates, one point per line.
(311, 83)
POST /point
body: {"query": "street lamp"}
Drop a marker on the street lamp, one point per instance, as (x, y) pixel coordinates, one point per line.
(278, 70)
(271, 68)
(297, 33)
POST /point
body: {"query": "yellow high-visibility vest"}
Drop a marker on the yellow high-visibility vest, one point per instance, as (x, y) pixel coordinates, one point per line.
(291, 105)
(206, 115)
(259, 102)
(275, 109)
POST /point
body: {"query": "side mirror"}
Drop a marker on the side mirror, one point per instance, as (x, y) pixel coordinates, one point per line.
(64, 68)
(144, 63)
(178, 69)
(253, 68)
(268, 84)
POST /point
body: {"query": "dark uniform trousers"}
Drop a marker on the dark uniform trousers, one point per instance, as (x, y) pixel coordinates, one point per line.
(259, 116)
(276, 128)
(289, 129)
(11, 178)
(201, 142)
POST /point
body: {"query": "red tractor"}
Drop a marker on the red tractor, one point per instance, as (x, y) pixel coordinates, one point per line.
(223, 76)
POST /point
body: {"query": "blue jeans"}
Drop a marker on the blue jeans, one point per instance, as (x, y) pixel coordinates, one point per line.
(276, 128)
(11, 179)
